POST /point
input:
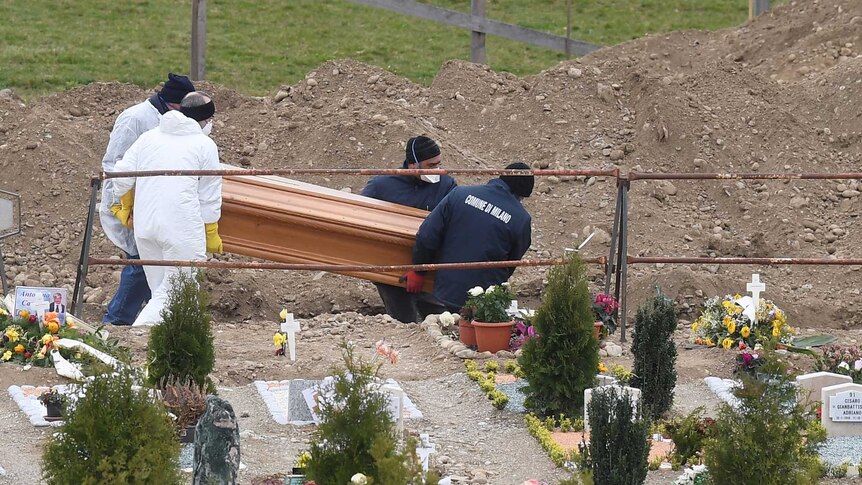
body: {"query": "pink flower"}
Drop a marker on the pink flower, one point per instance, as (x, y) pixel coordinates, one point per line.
(858, 365)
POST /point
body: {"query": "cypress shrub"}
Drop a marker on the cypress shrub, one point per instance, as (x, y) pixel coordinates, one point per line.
(114, 434)
(563, 360)
(618, 448)
(181, 347)
(357, 434)
(655, 355)
(770, 439)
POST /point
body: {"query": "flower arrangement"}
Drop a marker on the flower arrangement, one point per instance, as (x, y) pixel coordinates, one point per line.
(605, 309)
(842, 359)
(696, 475)
(386, 351)
(749, 362)
(524, 330)
(24, 341)
(724, 323)
(52, 398)
(280, 338)
(488, 305)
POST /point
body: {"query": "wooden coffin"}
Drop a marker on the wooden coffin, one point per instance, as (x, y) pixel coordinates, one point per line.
(284, 220)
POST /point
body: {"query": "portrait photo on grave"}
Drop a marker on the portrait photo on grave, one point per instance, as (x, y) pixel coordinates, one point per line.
(38, 301)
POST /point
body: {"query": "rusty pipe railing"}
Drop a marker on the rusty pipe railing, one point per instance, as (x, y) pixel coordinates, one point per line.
(338, 267)
(743, 176)
(359, 171)
(763, 261)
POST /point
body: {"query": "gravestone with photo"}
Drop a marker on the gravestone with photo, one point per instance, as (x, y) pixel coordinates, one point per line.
(842, 410)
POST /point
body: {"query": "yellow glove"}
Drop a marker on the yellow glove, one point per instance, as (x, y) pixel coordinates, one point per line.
(123, 210)
(214, 244)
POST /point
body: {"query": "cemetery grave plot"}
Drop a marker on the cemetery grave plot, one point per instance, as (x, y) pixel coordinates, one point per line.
(688, 102)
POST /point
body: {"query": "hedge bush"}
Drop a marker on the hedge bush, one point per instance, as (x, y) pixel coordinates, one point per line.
(653, 347)
(114, 434)
(181, 347)
(563, 360)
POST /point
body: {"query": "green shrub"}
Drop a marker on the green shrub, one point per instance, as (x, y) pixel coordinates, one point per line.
(492, 366)
(114, 434)
(357, 435)
(770, 439)
(618, 438)
(181, 347)
(689, 434)
(581, 477)
(655, 355)
(834, 471)
(563, 360)
(511, 366)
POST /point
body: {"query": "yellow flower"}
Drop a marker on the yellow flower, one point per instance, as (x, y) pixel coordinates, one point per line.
(789, 329)
(727, 322)
(19, 349)
(727, 343)
(24, 314)
(12, 334)
(695, 325)
(46, 338)
(278, 339)
(7, 355)
(710, 343)
(737, 296)
(40, 355)
(602, 367)
(745, 332)
(3, 311)
(283, 314)
(776, 332)
(732, 327)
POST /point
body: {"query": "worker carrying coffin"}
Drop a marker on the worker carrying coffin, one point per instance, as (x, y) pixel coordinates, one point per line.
(176, 217)
(474, 223)
(422, 192)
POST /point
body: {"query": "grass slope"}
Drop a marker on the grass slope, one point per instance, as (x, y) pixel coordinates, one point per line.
(256, 45)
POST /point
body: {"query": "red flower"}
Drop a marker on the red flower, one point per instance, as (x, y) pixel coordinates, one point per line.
(27, 355)
(32, 318)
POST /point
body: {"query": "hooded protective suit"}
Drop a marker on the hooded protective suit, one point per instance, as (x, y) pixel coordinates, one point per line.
(131, 124)
(170, 212)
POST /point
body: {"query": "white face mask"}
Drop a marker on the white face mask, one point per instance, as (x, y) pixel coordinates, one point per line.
(431, 179)
(208, 128)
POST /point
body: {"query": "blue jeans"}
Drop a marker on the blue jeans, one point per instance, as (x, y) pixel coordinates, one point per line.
(131, 295)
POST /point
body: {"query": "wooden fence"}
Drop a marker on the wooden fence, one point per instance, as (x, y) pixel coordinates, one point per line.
(476, 22)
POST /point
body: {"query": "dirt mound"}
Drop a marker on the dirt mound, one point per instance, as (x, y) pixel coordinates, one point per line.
(778, 94)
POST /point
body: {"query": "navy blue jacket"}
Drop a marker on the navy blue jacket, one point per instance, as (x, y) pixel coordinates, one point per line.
(473, 223)
(409, 191)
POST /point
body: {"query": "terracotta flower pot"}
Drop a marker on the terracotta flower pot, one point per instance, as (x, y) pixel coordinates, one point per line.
(597, 330)
(493, 337)
(466, 332)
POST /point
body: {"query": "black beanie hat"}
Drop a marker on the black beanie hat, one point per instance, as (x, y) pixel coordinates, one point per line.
(419, 149)
(176, 88)
(521, 185)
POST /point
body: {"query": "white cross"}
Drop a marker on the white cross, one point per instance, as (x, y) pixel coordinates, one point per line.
(424, 450)
(290, 327)
(755, 288)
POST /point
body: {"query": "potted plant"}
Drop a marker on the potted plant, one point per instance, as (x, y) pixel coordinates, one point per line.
(187, 401)
(492, 324)
(53, 402)
(605, 310)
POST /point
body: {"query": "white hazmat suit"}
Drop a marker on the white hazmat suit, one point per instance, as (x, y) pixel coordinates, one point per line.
(131, 124)
(170, 212)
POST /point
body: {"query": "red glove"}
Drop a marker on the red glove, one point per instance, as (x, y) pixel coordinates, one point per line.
(415, 281)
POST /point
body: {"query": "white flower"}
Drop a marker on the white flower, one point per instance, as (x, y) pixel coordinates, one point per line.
(858, 365)
(476, 291)
(490, 289)
(359, 479)
(447, 319)
(844, 365)
(505, 284)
